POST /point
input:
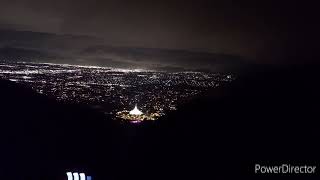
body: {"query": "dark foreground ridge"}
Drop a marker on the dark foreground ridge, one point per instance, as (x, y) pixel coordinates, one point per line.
(266, 116)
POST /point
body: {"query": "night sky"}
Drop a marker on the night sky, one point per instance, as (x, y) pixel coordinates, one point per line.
(262, 31)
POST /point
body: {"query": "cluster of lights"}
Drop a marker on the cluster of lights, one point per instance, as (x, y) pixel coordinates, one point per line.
(77, 176)
(136, 116)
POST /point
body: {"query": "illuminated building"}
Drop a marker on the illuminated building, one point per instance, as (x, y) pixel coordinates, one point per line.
(135, 111)
(136, 116)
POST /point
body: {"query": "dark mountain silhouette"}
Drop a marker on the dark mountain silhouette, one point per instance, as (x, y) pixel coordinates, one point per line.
(265, 116)
(18, 54)
(41, 139)
(160, 58)
(45, 41)
(85, 50)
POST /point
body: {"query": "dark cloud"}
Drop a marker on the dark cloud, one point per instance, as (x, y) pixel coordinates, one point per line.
(262, 30)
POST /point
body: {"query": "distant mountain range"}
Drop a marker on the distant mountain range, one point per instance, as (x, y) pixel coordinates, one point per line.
(21, 54)
(85, 50)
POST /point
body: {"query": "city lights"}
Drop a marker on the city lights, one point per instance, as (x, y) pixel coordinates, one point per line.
(114, 91)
